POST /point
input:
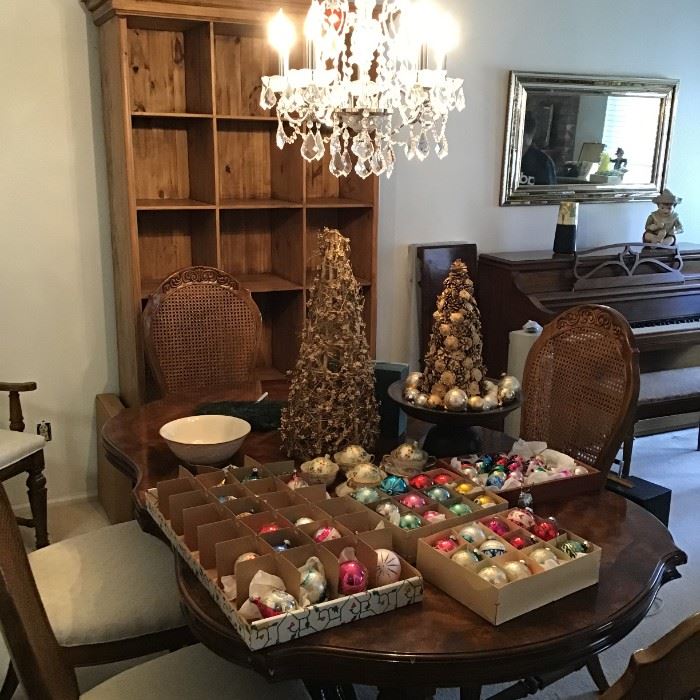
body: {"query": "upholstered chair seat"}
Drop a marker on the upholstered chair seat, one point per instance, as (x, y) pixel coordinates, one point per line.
(193, 673)
(15, 446)
(110, 585)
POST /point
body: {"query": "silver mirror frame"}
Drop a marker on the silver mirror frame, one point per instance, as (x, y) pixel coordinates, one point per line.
(512, 193)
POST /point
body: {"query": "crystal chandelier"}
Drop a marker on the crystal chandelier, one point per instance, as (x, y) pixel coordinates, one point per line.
(375, 79)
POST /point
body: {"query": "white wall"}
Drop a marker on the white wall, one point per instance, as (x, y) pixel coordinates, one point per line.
(56, 303)
(457, 199)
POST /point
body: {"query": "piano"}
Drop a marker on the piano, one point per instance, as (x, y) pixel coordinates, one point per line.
(656, 290)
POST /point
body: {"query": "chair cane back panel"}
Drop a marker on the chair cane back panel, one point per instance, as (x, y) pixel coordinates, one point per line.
(581, 384)
(201, 329)
(36, 655)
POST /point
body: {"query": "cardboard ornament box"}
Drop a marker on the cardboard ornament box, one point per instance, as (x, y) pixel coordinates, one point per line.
(547, 492)
(498, 604)
(205, 527)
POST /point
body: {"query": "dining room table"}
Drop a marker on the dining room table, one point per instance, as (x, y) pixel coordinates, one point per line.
(438, 643)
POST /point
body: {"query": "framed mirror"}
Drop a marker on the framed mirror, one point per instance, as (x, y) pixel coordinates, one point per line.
(586, 138)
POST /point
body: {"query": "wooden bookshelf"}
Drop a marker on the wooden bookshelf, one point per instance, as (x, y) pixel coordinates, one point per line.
(196, 176)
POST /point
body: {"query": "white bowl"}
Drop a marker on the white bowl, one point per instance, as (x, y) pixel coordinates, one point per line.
(205, 439)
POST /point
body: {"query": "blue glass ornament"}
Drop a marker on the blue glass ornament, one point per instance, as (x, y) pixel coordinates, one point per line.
(393, 485)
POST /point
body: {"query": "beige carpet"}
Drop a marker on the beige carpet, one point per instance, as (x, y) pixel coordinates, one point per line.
(669, 459)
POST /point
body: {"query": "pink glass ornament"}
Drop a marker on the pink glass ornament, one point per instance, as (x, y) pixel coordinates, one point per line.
(353, 577)
(413, 500)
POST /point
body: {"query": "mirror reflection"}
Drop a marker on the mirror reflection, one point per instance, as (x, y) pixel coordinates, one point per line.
(586, 138)
(581, 138)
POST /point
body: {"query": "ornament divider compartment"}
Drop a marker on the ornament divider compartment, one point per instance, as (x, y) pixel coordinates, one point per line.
(547, 492)
(500, 603)
(206, 532)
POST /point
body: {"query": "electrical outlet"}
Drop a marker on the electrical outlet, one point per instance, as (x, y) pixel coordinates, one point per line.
(44, 429)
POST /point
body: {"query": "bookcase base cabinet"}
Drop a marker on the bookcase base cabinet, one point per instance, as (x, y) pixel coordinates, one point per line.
(196, 177)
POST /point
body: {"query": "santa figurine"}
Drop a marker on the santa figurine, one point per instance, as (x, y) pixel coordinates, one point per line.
(663, 225)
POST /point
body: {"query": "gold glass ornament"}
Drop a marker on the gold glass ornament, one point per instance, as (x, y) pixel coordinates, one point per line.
(421, 400)
(455, 400)
(434, 401)
(410, 394)
(489, 402)
(413, 380)
(475, 403)
(508, 389)
(464, 488)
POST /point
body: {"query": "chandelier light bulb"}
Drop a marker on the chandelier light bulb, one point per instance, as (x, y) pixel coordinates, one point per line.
(282, 36)
(313, 24)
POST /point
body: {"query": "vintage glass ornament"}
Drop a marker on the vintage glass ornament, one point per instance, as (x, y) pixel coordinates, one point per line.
(275, 602)
(469, 471)
(521, 518)
(545, 529)
(515, 570)
(304, 520)
(460, 509)
(443, 479)
(253, 476)
(439, 494)
(352, 577)
(492, 548)
(421, 400)
(326, 533)
(420, 482)
(297, 482)
(494, 575)
(466, 557)
(432, 516)
(446, 544)
(313, 580)
(580, 471)
(508, 389)
(546, 558)
(388, 567)
(496, 480)
(464, 488)
(269, 527)
(574, 548)
(497, 525)
(413, 380)
(367, 494)
(246, 556)
(388, 509)
(394, 485)
(455, 400)
(413, 501)
(489, 402)
(282, 546)
(410, 394)
(475, 403)
(410, 521)
(472, 534)
(484, 501)
(525, 500)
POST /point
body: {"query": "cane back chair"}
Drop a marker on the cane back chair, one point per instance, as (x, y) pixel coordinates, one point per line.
(46, 670)
(201, 329)
(581, 383)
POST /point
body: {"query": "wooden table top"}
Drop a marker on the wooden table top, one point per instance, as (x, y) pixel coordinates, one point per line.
(438, 642)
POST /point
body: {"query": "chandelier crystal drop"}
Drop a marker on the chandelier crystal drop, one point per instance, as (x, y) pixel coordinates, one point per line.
(375, 79)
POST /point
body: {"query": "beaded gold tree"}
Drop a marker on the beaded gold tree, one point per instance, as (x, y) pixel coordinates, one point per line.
(453, 359)
(331, 399)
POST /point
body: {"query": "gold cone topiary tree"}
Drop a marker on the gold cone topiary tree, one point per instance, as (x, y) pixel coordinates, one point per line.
(453, 359)
(331, 399)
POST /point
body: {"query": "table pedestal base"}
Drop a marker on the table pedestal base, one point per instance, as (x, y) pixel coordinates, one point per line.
(452, 440)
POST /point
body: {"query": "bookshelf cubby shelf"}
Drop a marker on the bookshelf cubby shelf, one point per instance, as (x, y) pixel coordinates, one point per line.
(197, 178)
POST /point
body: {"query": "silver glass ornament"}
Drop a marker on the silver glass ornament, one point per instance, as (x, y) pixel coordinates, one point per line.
(413, 380)
(421, 400)
(508, 389)
(456, 400)
(410, 394)
(313, 580)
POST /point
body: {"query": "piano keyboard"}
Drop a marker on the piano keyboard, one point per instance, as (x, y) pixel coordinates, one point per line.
(669, 325)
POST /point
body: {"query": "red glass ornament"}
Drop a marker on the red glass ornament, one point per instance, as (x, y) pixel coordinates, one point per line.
(432, 516)
(497, 526)
(519, 542)
(443, 479)
(353, 577)
(421, 481)
(269, 527)
(502, 461)
(446, 545)
(413, 500)
(545, 530)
